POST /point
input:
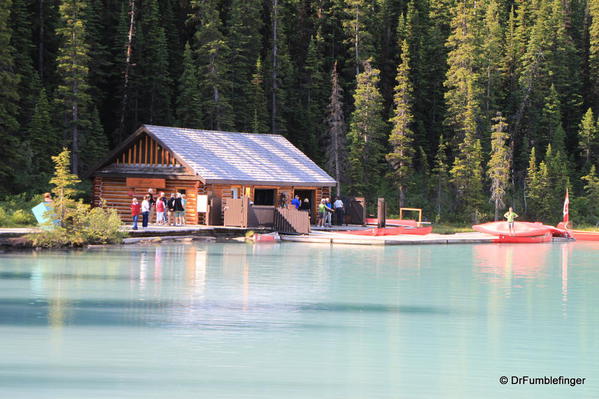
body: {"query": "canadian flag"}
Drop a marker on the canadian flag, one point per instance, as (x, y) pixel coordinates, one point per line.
(566, 207)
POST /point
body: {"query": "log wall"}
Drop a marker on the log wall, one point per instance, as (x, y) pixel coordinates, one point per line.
(117, 195)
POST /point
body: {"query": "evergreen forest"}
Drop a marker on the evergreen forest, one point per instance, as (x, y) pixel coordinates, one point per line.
(460, 107)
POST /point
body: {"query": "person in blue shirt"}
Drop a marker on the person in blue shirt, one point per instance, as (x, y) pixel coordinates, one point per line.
(330, 211)
(296, 202)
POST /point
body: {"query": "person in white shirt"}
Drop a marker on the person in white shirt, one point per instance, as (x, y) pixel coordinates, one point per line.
(145, 211)
(339, 211)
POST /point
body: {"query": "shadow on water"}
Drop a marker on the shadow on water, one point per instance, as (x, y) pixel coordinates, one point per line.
(25, 312)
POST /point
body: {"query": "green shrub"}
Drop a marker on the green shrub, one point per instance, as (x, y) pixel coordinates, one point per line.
(83, 226)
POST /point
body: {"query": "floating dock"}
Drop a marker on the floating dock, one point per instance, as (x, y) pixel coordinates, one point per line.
(334, 237)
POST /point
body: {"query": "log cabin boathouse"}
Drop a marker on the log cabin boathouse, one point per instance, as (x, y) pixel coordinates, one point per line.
(209, 167)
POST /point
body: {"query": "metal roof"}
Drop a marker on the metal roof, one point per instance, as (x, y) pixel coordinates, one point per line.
(224, 157)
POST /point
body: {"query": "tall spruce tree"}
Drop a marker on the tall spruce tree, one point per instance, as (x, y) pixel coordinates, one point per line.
(188, 109)
(73, 69)
(462, 80)
(9, 98)
(401, 137)
(367, 133)
(551, 122)
(258, 101)
(212, 55)
(591, 190)
(20, 21)
(492, 54)
(245, 43)
(156, 90)
(498, 168)
(44, 140)
(588, 137)
(593, 6)
(441, 178)
(357, 29)
(336, 156)
(467, 170)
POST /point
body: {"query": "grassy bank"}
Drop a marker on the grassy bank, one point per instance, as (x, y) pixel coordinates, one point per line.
(451, 228)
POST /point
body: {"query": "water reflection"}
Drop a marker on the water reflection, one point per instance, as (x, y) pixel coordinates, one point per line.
(510, 261)
(224, 320)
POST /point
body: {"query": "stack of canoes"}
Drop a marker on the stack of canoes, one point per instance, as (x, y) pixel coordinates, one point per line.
(521, 232)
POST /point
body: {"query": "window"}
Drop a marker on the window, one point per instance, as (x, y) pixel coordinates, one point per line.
(264, 196)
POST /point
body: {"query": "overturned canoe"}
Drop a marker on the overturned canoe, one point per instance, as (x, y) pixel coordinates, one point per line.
(521, 229)
(547, 237)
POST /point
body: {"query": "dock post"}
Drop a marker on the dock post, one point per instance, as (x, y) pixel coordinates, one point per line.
(381, 213)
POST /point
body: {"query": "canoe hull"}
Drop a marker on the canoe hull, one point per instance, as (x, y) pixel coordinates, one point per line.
(585, 235)
(507, 239)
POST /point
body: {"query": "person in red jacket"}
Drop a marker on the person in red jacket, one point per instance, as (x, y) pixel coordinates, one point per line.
(135, 212)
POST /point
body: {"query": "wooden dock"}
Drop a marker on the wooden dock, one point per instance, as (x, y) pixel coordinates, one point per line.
(333, 237)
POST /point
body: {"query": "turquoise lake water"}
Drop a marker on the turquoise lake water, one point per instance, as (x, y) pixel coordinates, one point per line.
(299, 321)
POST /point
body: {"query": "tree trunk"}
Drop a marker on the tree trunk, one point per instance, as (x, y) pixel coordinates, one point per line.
(275, 6)
(402, 195)
(129, 46)
(496, 209)
(41, 41)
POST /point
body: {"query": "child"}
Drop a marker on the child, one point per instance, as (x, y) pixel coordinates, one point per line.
(135, 212)
(160, 211)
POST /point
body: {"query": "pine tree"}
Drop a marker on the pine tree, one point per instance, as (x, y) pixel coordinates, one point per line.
(64, 184)
(467, 171)
(245, 43)
(551, 122)
(258, 101)
(591, 189)
(538, 193)
(189, 112)
(9, 98)
(401, 137)
(94, 143)
(588, 135)
(492, 53)
(212, 55)
(366, 134)
(441, 177)
(156, 91)
(313, 92)
(335, 134)
(356, 26)
(99, 54)
(463, 73)
(593, 6)
(20, 20)
(498, 168)
(73, 70)
(44, 139)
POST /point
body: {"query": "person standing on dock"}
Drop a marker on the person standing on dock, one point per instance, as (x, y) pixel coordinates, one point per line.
(135, 211)
(179, 210)
(145, 211)
(339, 211)
(510, 215)
(296, 202)
(152, 202)
(171, 209)
(322, 212)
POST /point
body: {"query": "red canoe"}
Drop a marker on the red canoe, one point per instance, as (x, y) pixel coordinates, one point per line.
(521, 229)
(524, 239)
(585, 235)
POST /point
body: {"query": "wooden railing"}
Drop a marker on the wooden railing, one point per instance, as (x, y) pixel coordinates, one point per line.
(290, 220)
